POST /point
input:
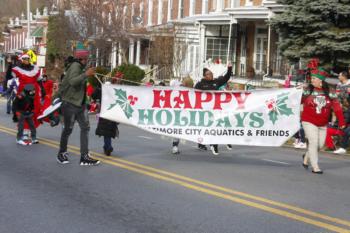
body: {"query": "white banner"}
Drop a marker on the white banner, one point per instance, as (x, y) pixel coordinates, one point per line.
(259, 118)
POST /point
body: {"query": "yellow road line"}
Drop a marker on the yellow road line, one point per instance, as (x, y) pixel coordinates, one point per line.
(115, 162)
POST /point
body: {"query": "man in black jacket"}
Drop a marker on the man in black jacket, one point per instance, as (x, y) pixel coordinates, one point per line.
(210, 84)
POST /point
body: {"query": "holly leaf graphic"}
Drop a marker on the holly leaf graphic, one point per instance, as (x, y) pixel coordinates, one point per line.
(123, 102)
(282, 107)
(273, 115)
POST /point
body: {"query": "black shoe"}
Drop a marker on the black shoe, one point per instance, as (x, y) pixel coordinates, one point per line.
(229, 146)
(214, 149)
(202, 147)
(14, 118)
(317, 172)
(306, 166)
(108, 152)
(62, 158)
(86, 160)
(55, 122)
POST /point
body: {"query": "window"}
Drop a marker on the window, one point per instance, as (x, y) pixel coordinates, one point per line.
(249, 2)
(235, 3)
(181, 9)
(170, 9)
(192, 7)
(160, 11)
(150, 12)
(260, 51)
(217, 49)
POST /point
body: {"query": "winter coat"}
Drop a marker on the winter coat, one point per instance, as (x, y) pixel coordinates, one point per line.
(73, 86)
(104, 127)
(214, 84)
(24, 104)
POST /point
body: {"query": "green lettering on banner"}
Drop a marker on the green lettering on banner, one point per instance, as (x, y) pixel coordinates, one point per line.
(202, 117)
(193, 118)
(180, 121)
(224, 122)
(240, 119)
(256, 120)
(168, 117)
(146, 115)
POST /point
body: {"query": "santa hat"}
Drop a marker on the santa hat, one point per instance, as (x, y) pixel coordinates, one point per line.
(319, 73)
(23, 56)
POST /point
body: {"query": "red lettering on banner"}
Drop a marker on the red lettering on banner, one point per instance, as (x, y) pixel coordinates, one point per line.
(158, 98)
(219, 101)
(241, 98)
(200, 101)
(184, 99)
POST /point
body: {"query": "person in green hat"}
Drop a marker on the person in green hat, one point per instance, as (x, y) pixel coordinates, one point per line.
(318, 102)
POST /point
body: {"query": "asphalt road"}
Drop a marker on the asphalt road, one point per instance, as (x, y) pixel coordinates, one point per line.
(144, 188)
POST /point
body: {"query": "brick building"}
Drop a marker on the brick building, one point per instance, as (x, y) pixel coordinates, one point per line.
(16, 38)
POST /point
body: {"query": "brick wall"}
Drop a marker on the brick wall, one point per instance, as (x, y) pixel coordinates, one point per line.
(186, 7)
(175, 9)
(198, 7)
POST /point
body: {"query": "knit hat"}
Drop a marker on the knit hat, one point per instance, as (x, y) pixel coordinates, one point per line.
(80, 54)
(319, 73)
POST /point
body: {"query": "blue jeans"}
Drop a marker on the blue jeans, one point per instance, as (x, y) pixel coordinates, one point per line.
(10, 97)
(107, 143)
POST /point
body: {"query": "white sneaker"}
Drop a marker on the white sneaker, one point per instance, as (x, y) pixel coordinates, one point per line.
(296, 142)
(301, 145)
(340, 151)
(22, 142)
(214, 149)
(175, 150)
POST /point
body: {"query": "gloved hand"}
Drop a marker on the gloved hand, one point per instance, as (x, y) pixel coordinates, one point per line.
(55, 101)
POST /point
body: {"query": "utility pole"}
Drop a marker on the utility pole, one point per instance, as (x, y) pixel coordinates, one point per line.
(28, 40)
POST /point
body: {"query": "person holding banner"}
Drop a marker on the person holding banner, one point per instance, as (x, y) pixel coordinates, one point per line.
(106, 128)
(73, 95)
(318, 103)
(186, 82)
(210, 84)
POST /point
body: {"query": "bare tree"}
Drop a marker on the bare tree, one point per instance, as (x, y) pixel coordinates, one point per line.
(103, 23)
(180, 49)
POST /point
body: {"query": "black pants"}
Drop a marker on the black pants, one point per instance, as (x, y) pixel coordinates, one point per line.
(26, 117)
(72, 113)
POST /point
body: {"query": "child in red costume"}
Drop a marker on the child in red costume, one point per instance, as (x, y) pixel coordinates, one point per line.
(29, 74)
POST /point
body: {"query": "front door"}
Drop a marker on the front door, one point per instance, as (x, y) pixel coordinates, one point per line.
(260, 52)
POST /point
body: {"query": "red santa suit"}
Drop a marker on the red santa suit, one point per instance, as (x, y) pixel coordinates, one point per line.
(29, 74)
(48, 86)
